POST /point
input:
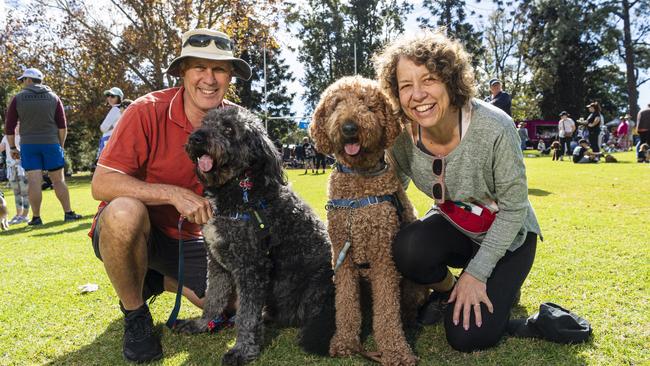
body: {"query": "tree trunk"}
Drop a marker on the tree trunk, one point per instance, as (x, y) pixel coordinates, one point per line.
(633, 95)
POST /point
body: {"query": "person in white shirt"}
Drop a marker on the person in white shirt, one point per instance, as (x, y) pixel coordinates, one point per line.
(17, 180)
(565, 128)
(114, 98)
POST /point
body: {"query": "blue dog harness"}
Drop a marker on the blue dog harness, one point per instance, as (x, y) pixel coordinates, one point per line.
(353, 204)
(362, 202)
(262, 233)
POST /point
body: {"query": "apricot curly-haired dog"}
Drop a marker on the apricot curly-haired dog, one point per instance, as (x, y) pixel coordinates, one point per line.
(366, 206)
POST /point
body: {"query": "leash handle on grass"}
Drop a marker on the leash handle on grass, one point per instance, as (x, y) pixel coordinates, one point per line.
(181, 270)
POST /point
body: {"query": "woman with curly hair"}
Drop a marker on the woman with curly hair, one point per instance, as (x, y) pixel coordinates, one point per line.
(465, 154)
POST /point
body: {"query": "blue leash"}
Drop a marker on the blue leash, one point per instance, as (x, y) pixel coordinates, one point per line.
(181, 270)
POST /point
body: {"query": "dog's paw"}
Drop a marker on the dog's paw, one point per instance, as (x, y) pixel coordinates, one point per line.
(398, 358)
(239, 355)
(339, 348)
(191, 326)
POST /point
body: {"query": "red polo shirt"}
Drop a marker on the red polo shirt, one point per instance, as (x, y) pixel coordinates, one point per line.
(149, 144)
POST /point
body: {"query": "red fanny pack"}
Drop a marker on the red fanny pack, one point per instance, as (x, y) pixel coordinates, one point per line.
(474, 219)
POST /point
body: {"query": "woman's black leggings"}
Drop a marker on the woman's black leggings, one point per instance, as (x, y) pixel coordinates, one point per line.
(425, 248)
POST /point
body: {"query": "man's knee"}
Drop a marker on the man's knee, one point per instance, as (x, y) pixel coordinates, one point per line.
(56, 176)
(34, 177)
(125, 216)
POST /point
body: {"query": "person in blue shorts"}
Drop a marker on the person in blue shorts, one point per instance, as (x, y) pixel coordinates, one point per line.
(43, 131)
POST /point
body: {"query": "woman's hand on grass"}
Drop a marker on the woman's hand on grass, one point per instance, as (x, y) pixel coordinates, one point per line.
(468, 294)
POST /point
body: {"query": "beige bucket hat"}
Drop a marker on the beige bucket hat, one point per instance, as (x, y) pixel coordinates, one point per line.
(210, 45)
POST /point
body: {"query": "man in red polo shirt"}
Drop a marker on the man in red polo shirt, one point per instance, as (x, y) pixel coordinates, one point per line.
(146, 182)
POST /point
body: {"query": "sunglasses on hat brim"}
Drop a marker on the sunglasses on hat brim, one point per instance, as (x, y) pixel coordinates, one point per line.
(203, 40)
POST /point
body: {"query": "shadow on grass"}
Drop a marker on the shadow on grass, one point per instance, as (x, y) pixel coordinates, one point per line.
(538, 192)
(202, 349)
(82, 224)
(106, 349)
(207, 349)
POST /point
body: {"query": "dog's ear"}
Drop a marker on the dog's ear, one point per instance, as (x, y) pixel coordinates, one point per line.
(392, 125)
(318, 126)
(266, 157)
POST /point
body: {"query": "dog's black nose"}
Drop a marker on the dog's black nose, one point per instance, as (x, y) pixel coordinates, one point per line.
(197, 138)
(349, 129)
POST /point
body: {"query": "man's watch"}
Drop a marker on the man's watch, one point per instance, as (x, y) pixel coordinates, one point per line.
(13, 148)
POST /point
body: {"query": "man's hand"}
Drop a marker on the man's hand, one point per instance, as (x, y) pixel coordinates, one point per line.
(195, 208)
(15, 154)
(468, 294)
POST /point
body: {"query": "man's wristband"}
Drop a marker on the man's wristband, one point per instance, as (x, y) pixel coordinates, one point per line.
(13, 148)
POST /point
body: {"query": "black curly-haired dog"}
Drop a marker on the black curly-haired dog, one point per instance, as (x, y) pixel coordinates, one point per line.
(263, 242)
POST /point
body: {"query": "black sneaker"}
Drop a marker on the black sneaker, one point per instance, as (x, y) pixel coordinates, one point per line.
(35, 221)
(71, 216)
(434, 309)
(141, 343)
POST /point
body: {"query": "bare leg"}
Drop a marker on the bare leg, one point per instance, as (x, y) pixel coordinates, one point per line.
(171, 285)
(125, 228)
(61, 189)
(34, 181)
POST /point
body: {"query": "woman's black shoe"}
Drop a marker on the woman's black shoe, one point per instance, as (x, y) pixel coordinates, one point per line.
(434, 309)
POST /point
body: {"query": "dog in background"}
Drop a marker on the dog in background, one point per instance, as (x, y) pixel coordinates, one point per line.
(4, 224)
(366, 207)
(610, 159)
(556, 150)
(264, 243)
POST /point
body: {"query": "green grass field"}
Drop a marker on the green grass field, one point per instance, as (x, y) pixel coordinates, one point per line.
(595, 260)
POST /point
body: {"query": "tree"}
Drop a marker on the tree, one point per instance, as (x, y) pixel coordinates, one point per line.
(451, 14)
(632, 43)
(278, 101)
(331, 30)
(9, 67)
(82, 55)
(562, 47)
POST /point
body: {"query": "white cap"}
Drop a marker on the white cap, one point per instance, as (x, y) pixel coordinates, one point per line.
(32, 74)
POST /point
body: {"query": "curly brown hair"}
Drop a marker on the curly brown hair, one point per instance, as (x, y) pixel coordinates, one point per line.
(443, 56)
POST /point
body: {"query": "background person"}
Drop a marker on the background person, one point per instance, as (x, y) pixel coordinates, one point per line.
(565, 128)
(498, 97)
(623, 133)
(310, 154)
(146, 182)
(43, 133)
(429, 79)
(114, 98)
(522, 131)
(17, 179)
(594, 121)
(583, 154)
(643, 125)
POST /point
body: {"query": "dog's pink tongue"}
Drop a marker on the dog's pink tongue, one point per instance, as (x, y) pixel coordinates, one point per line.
(205, 163)
(352, 149)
